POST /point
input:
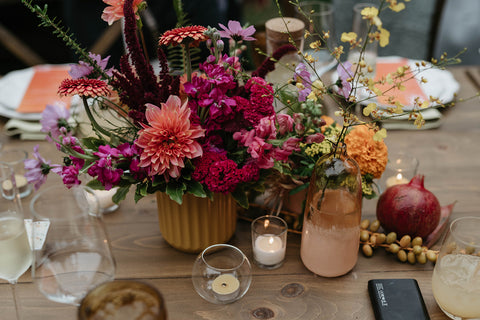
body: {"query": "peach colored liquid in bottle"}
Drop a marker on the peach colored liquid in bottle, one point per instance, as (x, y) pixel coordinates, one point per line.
(330, 236)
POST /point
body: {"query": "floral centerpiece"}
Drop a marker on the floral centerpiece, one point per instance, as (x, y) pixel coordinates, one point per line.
(213, 131)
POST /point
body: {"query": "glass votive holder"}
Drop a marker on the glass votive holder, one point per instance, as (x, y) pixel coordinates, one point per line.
(123, 299)
(15, 159)
(269, 241)
(400, 169)
(221, 274)
(105, 201)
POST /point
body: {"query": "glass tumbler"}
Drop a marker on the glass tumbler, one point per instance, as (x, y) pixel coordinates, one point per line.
(456, 276)
(75, 255)
(221, 274)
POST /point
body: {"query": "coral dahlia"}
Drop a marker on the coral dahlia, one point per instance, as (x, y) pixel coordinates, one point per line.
(185, 35)
(84, 87)
(168, 138)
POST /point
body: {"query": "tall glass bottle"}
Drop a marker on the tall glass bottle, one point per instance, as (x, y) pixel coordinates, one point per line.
(331, 226)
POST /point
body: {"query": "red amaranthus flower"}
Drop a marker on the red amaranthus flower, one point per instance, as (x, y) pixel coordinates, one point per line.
(192, 35)
(84, 87)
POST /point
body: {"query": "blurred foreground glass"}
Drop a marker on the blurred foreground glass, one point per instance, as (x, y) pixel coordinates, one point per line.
(123, 300)
(456, 276)
(362, 27)
(318, 17)
(15, 252)
(75, 255)
(15, 158)
(221, 274)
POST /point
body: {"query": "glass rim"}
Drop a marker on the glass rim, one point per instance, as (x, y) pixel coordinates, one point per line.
(328, 7)
(454, 233)
(40, 193)
(359, 6)
(282, 221)
(228, 246)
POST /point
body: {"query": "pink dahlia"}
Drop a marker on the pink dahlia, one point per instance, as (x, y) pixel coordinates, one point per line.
(168, 138)
(114, 11)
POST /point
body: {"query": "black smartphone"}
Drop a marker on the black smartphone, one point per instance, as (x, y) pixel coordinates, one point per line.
(397, 299)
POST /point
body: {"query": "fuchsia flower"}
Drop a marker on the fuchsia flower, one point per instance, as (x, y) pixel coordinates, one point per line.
(236, 32)
(169, 138)
(114, 11)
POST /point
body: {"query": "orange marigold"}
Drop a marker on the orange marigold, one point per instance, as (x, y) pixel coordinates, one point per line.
(371, 155)
(185, 35)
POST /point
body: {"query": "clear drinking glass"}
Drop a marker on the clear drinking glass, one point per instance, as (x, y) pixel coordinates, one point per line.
(75, 255)
(318, 17)
(15, 159)
(15, 252)
(363, 27)
(456, 276)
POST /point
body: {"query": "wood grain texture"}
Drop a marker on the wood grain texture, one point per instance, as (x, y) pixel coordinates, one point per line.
(449, 159)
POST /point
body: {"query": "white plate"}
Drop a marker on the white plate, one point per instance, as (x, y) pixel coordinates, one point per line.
(440, 83)
(12, 89)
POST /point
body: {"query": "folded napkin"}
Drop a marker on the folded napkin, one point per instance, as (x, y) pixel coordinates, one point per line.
(24, 129)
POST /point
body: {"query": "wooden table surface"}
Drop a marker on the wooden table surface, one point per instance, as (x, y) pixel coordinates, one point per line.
(449, 159)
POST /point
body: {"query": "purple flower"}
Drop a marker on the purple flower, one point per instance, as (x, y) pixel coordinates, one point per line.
(303, 76)
(344, 73)
(36, 170)
(54, 121)
(236, 32)
(84, 69)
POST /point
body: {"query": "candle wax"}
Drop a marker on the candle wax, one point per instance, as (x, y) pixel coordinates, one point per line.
(398, 179)
(226, 287)
(269, 250)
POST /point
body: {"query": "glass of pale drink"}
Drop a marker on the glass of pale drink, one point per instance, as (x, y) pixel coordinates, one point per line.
(456, 276)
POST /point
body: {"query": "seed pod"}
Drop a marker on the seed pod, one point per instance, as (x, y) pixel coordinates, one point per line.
(373, 238)
(364, 235)
(391, 237)
(394, 248)
(364, 224)
(411, 257)
(417, 249)
(470, 250)
(380, 238)
(375, 226)
(367, 250)
(431, 256)
(405, 241)
(417, 241)
(422, 258)
(402, 255)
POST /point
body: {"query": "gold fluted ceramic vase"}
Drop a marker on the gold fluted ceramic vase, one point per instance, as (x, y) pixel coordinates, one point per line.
(198, 222)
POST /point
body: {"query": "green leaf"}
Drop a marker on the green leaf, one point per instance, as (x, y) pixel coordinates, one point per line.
(240, 196)
(121, 194)
(196, 188)
(176, 190)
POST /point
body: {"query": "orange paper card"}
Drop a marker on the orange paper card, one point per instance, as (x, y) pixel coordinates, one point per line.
(43, 88)
(405, 97)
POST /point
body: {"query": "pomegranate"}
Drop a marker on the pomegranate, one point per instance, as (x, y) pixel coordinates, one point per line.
(409, 209)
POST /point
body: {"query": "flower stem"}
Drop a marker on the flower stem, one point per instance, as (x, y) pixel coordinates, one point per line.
(188, 62)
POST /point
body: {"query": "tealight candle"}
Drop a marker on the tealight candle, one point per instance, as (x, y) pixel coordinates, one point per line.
(398, 179)
(226, 287)
(269, 241)
(269, 250)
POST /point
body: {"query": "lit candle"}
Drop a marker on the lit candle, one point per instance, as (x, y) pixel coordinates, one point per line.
(269, 250)
(398, 179)
(226, 287)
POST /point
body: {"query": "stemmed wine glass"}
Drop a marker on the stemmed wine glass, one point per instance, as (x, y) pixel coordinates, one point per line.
(15, 252)
(75, 255)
